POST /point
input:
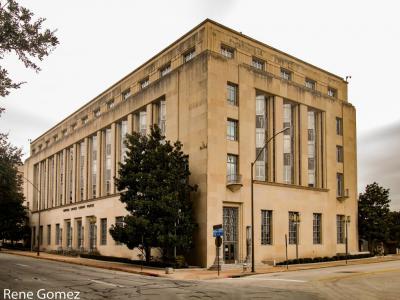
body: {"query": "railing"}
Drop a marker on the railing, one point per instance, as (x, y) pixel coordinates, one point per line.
(233, 179)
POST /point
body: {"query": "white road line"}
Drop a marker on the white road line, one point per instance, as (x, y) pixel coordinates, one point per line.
(22, 265)
(274, 279)
(106, 283)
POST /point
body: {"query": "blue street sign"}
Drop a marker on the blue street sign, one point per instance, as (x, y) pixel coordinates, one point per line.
(218, 232)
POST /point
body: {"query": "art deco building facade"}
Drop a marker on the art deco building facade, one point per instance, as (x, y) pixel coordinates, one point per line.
(222, 94)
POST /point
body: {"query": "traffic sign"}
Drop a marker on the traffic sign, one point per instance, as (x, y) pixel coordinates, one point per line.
(218, 230)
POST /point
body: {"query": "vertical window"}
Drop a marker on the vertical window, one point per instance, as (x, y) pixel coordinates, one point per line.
(317, 228)
(35, 183)
(309, 83)
(107, 161)
(340, 229)
(294, 220)
(261, 129)
(165, 70)
(232, 130)
(339, 126)
(339, 185)
(227, 51)
(288, 143)
(41, 235)
(103, 231)
(189, 55)
(94, 166)
(123, 129)
(82, 155)
(70, 173)
(232, 168)
(79, 230)
(332, 92)
(143, 122)
(126, 94)
(162, 116)
(286, 74)
(266, 227)
(258, 63)
(339, 153)
(312, 148)
(48, 234)
(58, 234)
(232, 96)
(69, 234)
(61, 164)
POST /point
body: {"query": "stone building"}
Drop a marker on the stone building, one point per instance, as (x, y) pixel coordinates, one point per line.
(222, 94)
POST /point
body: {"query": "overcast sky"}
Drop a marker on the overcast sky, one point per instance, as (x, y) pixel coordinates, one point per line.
(102, 41)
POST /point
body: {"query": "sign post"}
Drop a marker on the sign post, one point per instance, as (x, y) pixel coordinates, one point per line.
(218, 233)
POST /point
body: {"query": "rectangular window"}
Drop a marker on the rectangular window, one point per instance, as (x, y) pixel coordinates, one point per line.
(339, 153)
(261, 136)
(123, 130)
(340, 229)
(339, 126)
(94, 165)
(107, 161)
(79, 230)
(309, 83)
(96, 113)
(126, 94)
(266, 227)
(110, 104)
(317, 228)
(288, 143)
(165, 70)
(58, 234)
(61, 179)
(232, 96)
(339, 185)
(232, 130)
(312, 148)
(103, 231)
(70, 169)
(82, 155)
(48, 234)
(85, 120)
(232, 168)
(144, 83)
(258, 63)
(227, 51)
(332, 92)
(286, 74)
(143, 122)
(41, 235)
(162, 116)
(294, 220)
(189, 55)
(69, 234)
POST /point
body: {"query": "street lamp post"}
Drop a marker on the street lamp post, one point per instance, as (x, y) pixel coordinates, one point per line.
(252, 196)
(347, 238)
(38, 231)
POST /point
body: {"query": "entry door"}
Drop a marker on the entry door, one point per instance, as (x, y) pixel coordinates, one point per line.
(92, 236)
(230, 223)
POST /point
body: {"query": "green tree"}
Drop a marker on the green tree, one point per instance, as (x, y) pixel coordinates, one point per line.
(23, 36)
(13, 215)
(154, 185)
(373, 215)
(394, 231)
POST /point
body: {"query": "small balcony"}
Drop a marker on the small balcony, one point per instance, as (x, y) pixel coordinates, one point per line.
(234, 182)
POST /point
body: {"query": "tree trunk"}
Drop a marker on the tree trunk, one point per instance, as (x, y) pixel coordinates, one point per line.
(147, 251)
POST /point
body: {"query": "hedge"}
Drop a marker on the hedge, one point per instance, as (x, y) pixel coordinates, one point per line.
(310, 260)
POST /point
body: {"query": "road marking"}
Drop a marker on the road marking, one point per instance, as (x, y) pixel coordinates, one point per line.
(358, 274)
(106, 283)
(22, 265)
(274, 279)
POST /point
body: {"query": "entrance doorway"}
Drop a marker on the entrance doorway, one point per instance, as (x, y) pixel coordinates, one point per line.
(230, 223)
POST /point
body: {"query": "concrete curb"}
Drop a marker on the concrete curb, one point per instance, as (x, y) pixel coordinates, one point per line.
(87, 264)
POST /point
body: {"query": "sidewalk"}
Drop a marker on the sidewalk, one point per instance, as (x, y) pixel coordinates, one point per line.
(192, 273)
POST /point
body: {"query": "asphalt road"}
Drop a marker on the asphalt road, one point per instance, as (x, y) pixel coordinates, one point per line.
(372, 281)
